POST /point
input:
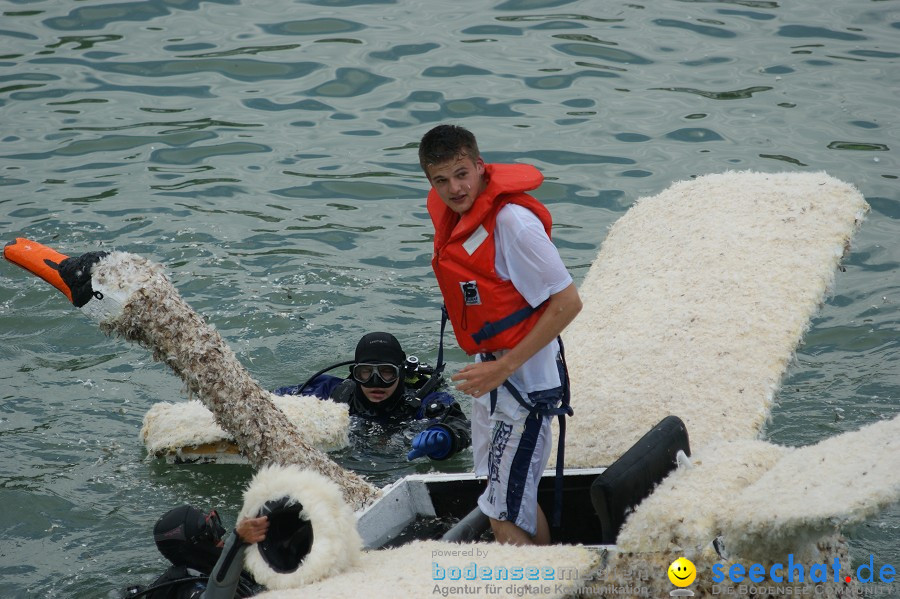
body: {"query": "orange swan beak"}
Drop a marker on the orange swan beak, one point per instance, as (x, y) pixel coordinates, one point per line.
(70, 275)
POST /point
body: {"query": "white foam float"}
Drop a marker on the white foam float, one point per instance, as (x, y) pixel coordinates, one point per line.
(409, 571)
(696, 303)
(814, 491)
(186, 431)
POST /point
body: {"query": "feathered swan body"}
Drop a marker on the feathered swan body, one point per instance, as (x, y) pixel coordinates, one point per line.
(156, 316)
(131, 297)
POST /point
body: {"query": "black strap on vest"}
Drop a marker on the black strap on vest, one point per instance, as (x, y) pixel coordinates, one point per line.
(544, 409)
(439, 367)
(491, 329)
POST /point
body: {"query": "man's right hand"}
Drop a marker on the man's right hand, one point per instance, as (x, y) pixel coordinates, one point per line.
(252, 530)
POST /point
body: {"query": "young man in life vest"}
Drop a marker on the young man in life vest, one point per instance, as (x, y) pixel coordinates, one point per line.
(508, 296)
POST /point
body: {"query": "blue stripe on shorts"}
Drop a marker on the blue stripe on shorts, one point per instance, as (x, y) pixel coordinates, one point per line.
(521, 467)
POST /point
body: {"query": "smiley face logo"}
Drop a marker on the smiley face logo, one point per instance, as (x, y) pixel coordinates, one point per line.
(682, 572)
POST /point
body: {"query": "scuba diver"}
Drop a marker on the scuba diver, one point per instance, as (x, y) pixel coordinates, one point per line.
(387, 386)
(204, 566)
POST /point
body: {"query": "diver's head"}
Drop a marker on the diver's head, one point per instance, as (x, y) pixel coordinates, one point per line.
(378, 370)
(188, 537)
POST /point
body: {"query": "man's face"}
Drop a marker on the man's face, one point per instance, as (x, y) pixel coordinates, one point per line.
(379, 394)
(458, 181)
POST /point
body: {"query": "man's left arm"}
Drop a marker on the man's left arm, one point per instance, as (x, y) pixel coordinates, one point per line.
(483, 377)
(224, 579)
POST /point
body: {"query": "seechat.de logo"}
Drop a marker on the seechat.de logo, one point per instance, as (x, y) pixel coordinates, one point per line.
(797, 572)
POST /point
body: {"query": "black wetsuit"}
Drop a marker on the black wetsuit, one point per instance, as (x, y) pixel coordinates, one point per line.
(182, 582)
(439, 408)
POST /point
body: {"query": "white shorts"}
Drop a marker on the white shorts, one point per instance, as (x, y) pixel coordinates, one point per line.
(512, 450)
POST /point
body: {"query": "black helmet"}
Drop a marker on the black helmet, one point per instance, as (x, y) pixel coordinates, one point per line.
(188, 537)
(379, 347)
(289, 538)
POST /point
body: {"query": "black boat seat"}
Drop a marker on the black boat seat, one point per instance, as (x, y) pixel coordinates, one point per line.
(631, 478)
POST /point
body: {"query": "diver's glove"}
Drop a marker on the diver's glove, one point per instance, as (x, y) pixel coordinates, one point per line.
(435, 442)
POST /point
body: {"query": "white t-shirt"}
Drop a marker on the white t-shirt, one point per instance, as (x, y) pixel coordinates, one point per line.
(528, 258)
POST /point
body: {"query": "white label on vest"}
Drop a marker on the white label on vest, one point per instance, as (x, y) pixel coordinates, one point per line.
(471, 297)
(475, 239)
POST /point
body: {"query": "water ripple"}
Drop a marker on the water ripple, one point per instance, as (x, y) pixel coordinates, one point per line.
(751, 14)
(312, 27)
(118, 142)
(818, 32)
(101, 15)
(737, 94)
(492, 30)
(523, 5)
(458, 70)
(859, 146)
(196, 154)
(469, 107)
(86, 42)
(17, 34)
(562, 158)
(349, 82)
(564, 81)
(602, 52)
(107, 88)
(399, 51)
(270, 106)
(697, 28)
(251, 50)
(694, 134)
(240, 69)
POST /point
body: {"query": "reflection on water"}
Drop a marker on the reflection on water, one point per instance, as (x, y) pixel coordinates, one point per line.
(266, 154)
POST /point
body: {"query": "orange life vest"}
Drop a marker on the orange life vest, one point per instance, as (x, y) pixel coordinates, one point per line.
(488, 313)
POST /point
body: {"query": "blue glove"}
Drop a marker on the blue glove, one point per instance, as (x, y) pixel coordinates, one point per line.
(434, 442)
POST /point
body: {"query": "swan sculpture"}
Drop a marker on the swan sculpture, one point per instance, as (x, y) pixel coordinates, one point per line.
(694, 307)
(131, 297)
